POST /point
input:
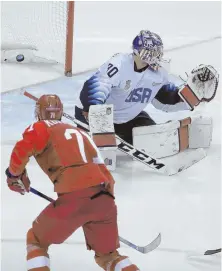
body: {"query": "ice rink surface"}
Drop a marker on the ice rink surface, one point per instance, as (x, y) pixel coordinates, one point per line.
(185, 208)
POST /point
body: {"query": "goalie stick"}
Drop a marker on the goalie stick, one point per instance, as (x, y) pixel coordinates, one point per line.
(133, 152)
(148, 248)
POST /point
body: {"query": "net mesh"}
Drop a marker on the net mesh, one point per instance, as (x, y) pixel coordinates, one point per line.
(39, 25)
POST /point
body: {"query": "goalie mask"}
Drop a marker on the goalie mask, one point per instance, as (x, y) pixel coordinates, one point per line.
(149, 47)
(49, 107)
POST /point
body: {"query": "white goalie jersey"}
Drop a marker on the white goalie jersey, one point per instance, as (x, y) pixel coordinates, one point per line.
(118, 82)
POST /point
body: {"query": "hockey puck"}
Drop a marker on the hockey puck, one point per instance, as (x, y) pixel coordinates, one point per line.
(20, 58)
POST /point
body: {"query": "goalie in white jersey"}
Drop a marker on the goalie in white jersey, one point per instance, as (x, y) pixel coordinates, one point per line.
(131, 81)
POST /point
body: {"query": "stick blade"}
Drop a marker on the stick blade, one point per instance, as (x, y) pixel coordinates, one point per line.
(184, 160)
(150, 247)
(213, 251)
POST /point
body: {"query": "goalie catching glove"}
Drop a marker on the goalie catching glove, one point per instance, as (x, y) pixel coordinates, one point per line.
(201, 86)
(20, 184)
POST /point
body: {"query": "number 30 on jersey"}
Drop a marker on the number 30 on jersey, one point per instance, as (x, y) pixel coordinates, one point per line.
(111, 70)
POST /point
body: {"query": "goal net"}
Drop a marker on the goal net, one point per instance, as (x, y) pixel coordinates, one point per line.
(37, 31)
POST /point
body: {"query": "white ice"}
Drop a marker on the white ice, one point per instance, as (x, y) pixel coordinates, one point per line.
(185, 208)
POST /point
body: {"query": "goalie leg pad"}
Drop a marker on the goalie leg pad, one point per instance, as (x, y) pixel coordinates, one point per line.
(183, 134)
(162, 140)
(115, 262)
(200, 132)
(170, 138)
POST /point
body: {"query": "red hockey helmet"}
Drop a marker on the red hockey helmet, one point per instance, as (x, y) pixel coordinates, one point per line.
(49, 107)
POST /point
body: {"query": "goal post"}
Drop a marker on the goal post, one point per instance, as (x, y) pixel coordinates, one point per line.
(41, 31)
(69, 38)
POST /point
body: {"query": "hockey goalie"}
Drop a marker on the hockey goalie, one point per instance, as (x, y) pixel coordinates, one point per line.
(129, 82)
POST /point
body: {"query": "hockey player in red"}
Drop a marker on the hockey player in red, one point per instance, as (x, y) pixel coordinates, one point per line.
(84, 186)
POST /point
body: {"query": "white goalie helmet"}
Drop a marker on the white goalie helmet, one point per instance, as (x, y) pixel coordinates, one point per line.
(149, 47)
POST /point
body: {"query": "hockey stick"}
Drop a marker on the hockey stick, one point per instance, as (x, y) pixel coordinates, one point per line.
(148, 248)
(196, 254)
(125, 147)
(212, 251)
(38, 193)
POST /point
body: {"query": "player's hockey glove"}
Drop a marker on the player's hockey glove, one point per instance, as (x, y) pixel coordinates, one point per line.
(20, 184)
(200, 86)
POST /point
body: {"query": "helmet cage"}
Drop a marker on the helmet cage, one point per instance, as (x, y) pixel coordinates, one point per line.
(149, 47)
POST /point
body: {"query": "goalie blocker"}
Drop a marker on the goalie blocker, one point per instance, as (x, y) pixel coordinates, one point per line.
(103, 134)
(163, 140)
